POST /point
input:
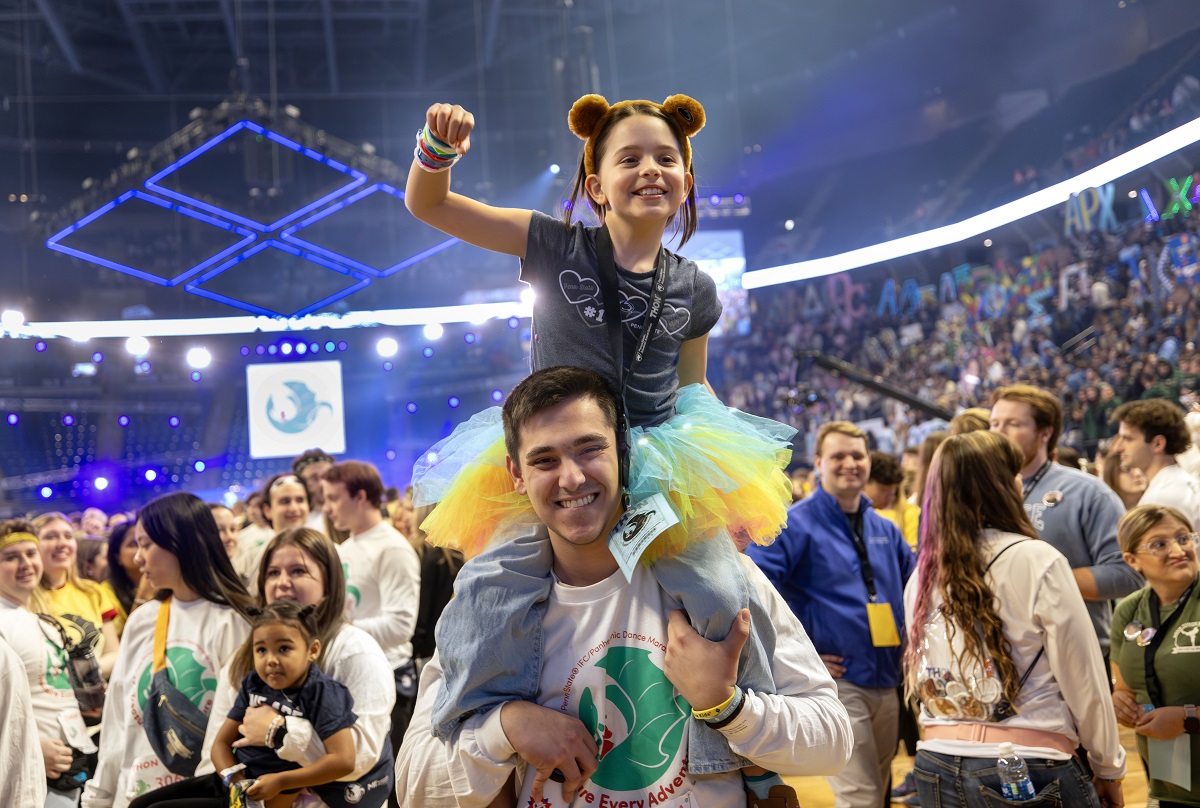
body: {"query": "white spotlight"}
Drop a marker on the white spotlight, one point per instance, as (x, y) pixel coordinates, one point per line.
(138, 346)
(789, 224)
(12, 319)
(199, 358)
(433, 331)
(554, 168)
(100, 483)
(387, 347)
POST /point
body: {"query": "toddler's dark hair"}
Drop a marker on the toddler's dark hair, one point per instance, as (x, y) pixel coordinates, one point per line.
(287, 612)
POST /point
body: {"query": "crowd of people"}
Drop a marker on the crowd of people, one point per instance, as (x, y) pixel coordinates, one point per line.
(652, 610)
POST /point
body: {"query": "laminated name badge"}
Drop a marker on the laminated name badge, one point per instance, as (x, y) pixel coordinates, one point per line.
(883, 625)
(637, 527)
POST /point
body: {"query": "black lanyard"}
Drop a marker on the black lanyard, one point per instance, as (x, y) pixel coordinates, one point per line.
(1037, 478)
(609, 284)
(1153, 686)
(860, 547)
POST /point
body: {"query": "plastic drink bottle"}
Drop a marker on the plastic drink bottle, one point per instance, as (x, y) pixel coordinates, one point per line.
(1015, 784)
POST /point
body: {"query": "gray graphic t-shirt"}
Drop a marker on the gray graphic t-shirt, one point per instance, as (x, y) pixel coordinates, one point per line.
(569, 325)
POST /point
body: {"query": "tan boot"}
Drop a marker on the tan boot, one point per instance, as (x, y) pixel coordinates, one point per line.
(780, 797)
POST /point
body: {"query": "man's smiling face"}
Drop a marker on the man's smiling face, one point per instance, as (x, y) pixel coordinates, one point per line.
(568, 467)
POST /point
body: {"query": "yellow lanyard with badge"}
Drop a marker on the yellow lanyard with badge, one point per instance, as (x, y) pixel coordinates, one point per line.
(880, 617)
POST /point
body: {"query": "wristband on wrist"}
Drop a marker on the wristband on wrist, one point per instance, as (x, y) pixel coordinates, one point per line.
(713, 712)
(276, 722)
(227, 774)
(1111, 779)
(432, 154)
(729, 713)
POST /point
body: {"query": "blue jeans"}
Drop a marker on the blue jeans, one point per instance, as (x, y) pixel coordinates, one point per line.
(491, 643)
(945, 781)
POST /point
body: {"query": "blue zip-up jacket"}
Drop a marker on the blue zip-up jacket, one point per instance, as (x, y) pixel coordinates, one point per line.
(815, 567)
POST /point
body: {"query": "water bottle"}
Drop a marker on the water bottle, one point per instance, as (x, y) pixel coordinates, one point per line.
(1015, 784)
(83, 671)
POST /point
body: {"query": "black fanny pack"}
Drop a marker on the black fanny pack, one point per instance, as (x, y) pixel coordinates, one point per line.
(174, 726)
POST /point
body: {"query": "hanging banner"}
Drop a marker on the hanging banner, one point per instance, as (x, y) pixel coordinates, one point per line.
(295, 406)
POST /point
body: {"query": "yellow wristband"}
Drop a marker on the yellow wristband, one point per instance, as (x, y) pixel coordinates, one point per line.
(713, 712)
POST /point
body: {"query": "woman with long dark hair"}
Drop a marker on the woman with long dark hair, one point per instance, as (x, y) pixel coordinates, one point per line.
(1001, 647)
(201, 607)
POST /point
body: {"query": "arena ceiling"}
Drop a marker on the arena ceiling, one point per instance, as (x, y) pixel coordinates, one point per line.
(788, 85)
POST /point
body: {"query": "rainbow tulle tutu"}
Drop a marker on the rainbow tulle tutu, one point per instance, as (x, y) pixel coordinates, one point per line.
(722, 469)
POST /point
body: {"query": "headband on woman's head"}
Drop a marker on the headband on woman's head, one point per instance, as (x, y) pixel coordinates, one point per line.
(588, 113)
(14, 538)
(284, 480)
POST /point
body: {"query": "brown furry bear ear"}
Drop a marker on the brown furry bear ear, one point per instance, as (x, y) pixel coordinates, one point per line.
(686, 111)
(585, 114)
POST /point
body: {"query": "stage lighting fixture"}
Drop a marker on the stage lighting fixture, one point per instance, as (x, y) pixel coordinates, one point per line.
(199, 466)
(527, 296)
(469, 338)
(431, 457)
(497, 396)
(987, 242)
(342, 346)
(514, 322)
(47, 492)
(387, 347)
(245, 351)
(302, 348)
(555, 168)
(13, 419)
(39, 346)
(100, 483)
(97, 357)
(83, 369)
(68, 420)
(427, 352)
(173, 421)
(199, 358)
(123, 420)
(330, 347)
(196, 375)
(453, 402)
(141, 368)
(12, 319)
(714, 200)
(411, 406)
(789, 225)
(433, 331)
(388, 365)
(739, 199)
(390, 454)
(314, 347)
(272, 350)
(286, 349)
(151, 475)
(137, 346)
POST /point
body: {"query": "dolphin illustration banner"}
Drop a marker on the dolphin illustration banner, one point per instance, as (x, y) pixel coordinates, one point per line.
(294, 406)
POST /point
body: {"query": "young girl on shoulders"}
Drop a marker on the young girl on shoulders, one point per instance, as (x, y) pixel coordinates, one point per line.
(614, 300)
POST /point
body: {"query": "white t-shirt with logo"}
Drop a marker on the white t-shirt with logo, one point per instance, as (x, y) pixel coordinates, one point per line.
(383, 586)
(612, 679)
(39, 645)
(201, 637)
(1177, 489)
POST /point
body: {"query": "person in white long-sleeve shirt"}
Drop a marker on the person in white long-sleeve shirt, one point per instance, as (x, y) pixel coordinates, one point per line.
(24, 781)
(996, 617)
(622, 668)
(383, 574)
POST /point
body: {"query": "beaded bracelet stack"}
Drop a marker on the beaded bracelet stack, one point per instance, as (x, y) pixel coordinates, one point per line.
(432, 154)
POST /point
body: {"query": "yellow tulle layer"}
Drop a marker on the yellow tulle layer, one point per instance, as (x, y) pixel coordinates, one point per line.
(722, 470)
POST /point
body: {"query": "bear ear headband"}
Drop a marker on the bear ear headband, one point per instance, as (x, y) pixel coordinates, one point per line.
(589, 112)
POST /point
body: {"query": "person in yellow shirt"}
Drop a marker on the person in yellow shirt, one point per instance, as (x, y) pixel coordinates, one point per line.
(83, 608)
(883, 489)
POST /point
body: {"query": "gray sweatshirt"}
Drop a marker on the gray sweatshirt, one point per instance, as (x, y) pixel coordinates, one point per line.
(1078, 514)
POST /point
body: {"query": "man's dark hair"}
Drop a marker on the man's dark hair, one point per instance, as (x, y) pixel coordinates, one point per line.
(1154, 417)
(885, 469)
(548, 388)
(310, 457)
(357, 476)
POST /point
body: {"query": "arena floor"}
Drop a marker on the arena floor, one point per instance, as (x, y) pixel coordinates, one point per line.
(814, 792)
